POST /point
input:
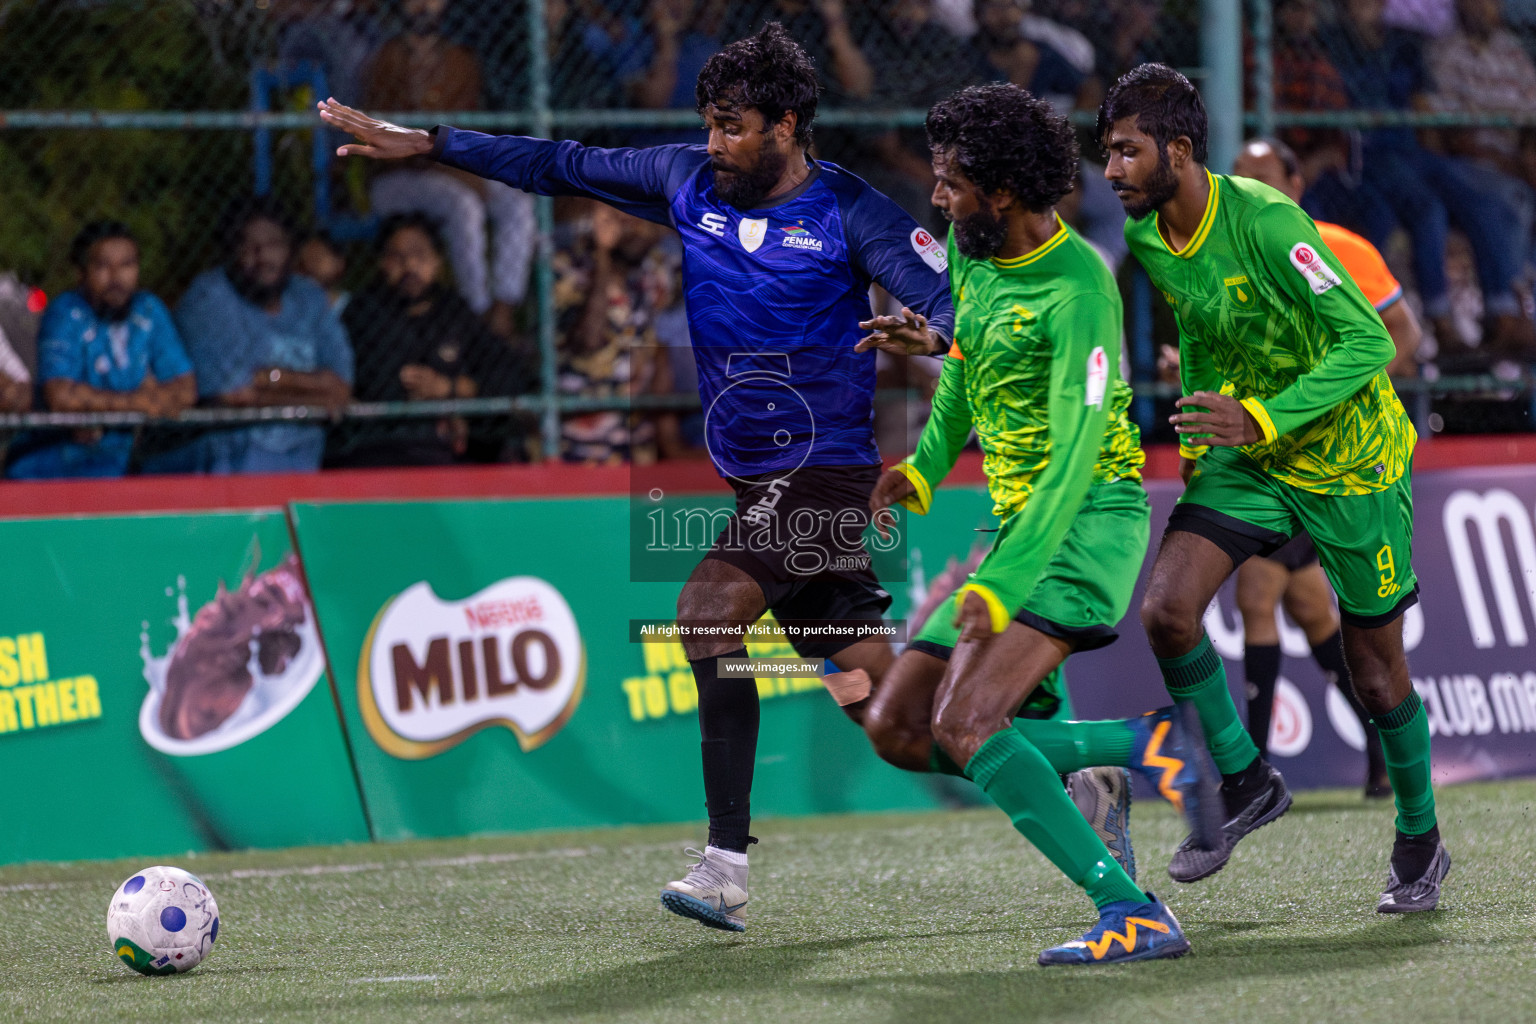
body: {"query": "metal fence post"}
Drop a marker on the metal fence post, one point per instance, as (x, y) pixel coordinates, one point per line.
(1262, 28)
(543, 267)
(1221, 51)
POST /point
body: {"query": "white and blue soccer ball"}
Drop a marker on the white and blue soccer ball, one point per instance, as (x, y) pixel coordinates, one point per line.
(162, 921)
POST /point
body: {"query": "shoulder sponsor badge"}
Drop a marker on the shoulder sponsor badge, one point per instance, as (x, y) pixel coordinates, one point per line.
(1309, 263)
(928, 247)
(752, 232)
(1098, 377)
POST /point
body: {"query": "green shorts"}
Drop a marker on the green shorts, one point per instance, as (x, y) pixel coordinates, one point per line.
(1086, 587)
(1365, 541)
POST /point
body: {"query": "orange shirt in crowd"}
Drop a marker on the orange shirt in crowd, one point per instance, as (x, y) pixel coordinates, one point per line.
(1363, 263)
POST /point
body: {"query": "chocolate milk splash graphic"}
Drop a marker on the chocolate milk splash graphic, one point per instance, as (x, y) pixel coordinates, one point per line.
(236, 668)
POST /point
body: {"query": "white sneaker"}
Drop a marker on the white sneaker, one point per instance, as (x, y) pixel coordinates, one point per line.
(714, 892)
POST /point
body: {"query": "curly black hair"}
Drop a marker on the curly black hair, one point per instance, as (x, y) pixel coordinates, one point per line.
(97, 231)
(1004, 138)
(1164, 104)
(767, 72)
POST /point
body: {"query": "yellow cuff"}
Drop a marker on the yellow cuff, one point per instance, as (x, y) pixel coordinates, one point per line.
(1193, 451)
(1261, 414)
(922, 499)
(1000, 616)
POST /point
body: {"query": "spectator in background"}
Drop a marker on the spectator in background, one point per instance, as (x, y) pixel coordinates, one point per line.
(612, 280)
(1404, 183)
(684, 34)
(415, 339)
(1006, 52)
(827, 33)
(916, 62)
(260, 335)
(321, 259)
(1007, 55)
(105, 347)
(1304, 80)
(15, 381)
(341, 36)
(422, 69)
(1124, 34)
(1482, 69)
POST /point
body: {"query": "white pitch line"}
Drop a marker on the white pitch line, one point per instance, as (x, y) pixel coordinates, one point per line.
(467, 860)
(397, 977)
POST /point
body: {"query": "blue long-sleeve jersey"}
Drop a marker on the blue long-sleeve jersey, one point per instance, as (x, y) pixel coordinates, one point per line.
(774, 294)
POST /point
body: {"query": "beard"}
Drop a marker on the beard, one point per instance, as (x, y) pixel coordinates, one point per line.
(1161, 186)
(253, 291)
(111, 312)
(980, 235)
(744, 189)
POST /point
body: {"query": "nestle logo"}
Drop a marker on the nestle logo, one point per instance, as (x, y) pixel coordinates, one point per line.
(434, 672)
(490, 614)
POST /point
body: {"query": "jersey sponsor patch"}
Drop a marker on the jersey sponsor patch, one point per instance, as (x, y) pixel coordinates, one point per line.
(1310, 265)
(928, 247)
(714, 224)
(752, 232)
(1098, 377)
(797, 237)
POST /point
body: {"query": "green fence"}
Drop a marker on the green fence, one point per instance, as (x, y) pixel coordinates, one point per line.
(161, 112)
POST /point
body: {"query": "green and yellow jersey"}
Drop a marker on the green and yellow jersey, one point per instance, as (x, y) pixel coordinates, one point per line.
(1035, 369)
(1266, 315)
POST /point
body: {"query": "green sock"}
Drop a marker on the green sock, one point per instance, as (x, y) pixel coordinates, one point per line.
(1405, 742)
(1200, 677)
(1071, 746)
(1020, 781)
(941, 763)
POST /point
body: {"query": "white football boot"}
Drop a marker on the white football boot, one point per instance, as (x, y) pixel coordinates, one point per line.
(714, 892)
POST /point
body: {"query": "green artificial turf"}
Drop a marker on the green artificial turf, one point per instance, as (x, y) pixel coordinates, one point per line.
(931, 917)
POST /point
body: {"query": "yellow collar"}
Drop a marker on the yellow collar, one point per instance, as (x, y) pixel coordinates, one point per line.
(1202, 229)
(1039, 251)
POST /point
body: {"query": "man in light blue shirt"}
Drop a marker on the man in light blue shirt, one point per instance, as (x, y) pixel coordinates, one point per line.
(105, 347)
(260, 335)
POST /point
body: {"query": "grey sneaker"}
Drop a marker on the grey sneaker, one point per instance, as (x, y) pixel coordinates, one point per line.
(713, 893)
(1103, 795)
(1421, 894)
(1191, 862)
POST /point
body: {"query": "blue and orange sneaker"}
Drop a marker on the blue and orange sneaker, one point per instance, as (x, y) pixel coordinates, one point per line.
(1170, 752)
(1126, 931)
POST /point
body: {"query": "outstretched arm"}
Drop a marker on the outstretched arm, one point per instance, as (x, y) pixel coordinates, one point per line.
(376, 139)
(636, 181)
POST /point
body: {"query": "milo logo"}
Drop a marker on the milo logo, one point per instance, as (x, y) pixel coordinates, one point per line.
(434, 672)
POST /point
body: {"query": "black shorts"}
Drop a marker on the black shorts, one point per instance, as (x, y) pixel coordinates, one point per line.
(1297, 553)
(800, 537)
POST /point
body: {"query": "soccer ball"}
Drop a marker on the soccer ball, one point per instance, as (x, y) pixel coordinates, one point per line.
(162, 921)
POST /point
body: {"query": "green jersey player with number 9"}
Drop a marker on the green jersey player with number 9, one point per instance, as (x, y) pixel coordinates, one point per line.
(1288, 422)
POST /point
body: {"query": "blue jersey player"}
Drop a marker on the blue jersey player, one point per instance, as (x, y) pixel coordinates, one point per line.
(780, 251)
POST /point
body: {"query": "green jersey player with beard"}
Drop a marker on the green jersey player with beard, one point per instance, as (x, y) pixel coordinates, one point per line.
(1035, 371)
(1288, 422)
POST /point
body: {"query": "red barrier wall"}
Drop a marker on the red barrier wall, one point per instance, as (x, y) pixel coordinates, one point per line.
(27, 499)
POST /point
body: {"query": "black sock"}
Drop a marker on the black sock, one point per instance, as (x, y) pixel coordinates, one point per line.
(1261, 667)
(728, 719)
(1411, 854)
(1330, 658)
(1239, 788)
